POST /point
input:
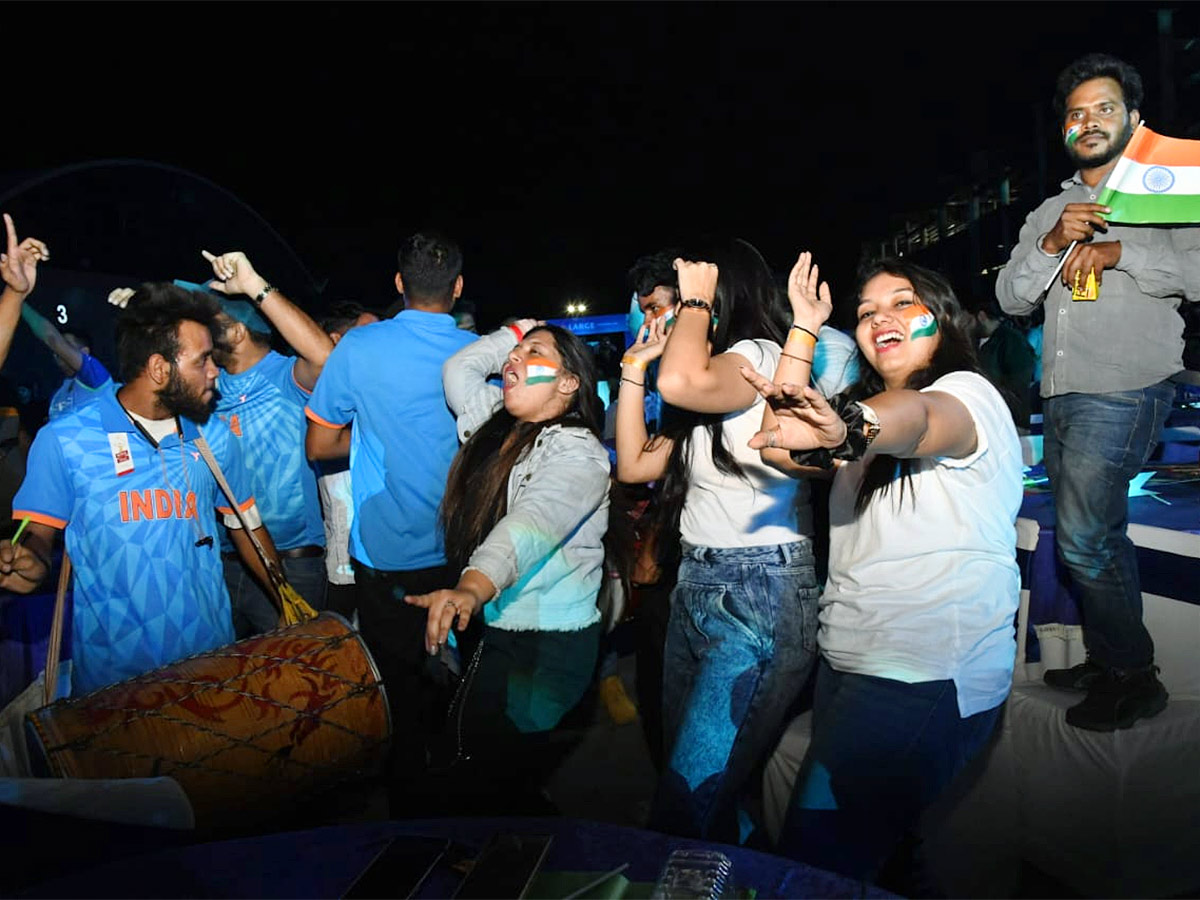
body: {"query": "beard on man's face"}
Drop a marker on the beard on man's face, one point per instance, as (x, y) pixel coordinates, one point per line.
(1115, 148)
(180, 400)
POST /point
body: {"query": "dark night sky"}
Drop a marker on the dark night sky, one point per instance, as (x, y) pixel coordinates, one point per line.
(556, 141)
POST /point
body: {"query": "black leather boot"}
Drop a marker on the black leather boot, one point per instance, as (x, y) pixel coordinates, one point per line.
(1118, 698)
(1077, 678)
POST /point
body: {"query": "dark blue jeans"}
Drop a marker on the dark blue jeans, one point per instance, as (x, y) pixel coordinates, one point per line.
(741, 641)
(881, 752)
(1093, 445)
(253, 611)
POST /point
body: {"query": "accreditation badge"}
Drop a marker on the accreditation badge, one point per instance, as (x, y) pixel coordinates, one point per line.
(122, 458)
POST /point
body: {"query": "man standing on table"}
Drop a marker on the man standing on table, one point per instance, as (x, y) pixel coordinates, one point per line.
(380, 400)
(122, 477)
(1107, 362)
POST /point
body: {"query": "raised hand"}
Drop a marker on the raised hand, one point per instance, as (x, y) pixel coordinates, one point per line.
(234, 274)
(805, 420)
(808, 295)
(119, 297)
(650, 341)
(697, 279)
(18, 265)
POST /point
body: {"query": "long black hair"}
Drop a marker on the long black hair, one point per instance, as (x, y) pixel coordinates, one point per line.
(748, 304)
(955, 353)
(476, 495)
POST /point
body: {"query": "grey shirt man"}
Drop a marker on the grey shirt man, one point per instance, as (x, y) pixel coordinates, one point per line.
(1132, 336)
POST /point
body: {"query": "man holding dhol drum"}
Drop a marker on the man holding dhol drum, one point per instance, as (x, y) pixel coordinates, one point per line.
(124, 480)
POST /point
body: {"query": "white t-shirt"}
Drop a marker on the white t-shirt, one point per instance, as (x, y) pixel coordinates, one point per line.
(767, 507)
(930, 592)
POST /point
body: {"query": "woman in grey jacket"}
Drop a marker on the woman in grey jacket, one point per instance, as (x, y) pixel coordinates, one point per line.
(525, 513)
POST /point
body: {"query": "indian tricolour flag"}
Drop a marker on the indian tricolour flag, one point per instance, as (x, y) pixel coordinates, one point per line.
(1155, 182)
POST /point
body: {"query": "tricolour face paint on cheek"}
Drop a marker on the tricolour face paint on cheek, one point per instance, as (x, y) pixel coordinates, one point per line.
(539, 370)
(1072, 134)
(667, 314)
(921, 322)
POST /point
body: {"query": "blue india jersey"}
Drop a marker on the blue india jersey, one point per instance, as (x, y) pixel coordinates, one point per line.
(83, 387)
(147, 589)
(264, 409)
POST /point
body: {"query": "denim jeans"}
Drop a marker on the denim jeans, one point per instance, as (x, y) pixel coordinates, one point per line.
(1093, 445)
(253, 611)
(881, 751)
(741, 640)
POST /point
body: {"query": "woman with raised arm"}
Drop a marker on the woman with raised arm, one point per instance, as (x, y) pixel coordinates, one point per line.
(917, 637)
(741, 636)
(525, 513)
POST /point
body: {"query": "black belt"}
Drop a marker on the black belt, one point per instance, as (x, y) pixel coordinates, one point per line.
(306, 552)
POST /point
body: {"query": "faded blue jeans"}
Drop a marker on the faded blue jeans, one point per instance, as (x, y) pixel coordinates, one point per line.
(740, 643)
(1093, 445)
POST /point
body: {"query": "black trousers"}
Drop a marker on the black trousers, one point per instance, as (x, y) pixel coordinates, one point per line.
(394, 632)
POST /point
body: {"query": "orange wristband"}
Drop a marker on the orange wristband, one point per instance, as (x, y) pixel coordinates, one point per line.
(628, 360)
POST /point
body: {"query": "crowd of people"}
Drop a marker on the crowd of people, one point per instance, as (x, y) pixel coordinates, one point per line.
(811, 508)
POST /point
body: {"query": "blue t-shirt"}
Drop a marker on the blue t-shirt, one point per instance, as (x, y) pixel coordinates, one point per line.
(386, 380)
(144, 593)
(83, 387)
(264, 408)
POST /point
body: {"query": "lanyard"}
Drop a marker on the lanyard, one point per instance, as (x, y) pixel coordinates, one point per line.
(202, 539)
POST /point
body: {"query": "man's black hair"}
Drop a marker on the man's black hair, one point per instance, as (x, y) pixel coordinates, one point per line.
(342, 316)
(1098, 65)
(149, 324)
(429, 263)
(652, 270)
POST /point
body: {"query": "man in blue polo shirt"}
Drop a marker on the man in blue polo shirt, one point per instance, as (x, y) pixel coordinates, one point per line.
(124, 480)
(380, 400)
(261, 396)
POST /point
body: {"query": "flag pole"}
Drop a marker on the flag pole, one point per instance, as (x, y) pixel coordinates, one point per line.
(1072, 245)
(1062, 262)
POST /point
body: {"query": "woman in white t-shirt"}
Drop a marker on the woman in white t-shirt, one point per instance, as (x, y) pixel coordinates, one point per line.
(917, 632)
(742, 631)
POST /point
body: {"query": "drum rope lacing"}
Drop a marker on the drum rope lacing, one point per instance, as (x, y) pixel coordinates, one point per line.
(165, 765)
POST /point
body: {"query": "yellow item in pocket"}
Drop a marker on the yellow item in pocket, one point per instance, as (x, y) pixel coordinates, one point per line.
(1088, 290)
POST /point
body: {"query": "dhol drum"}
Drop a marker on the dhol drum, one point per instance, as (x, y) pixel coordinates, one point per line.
(246, 729)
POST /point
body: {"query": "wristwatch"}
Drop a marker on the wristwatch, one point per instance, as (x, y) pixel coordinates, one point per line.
(862, 427)
(262, 295)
